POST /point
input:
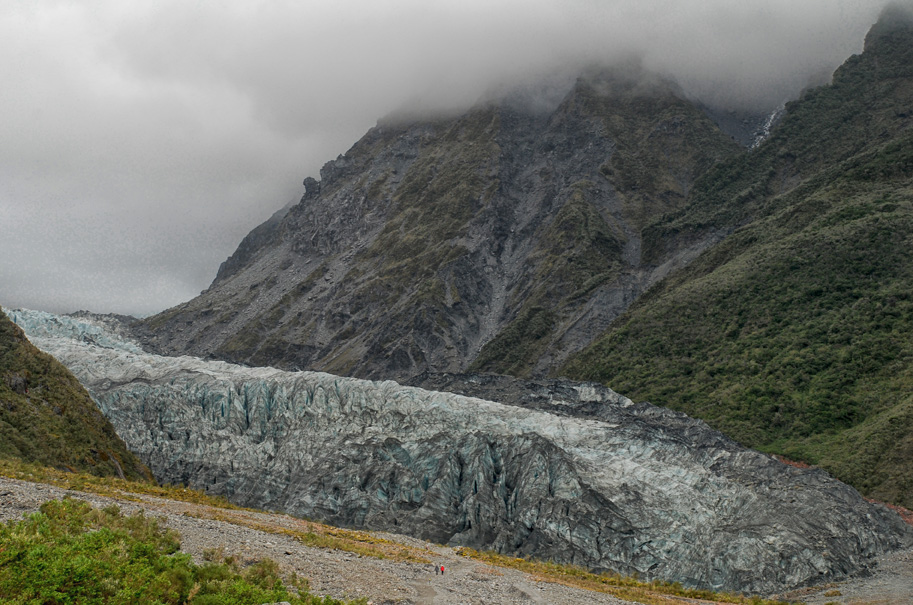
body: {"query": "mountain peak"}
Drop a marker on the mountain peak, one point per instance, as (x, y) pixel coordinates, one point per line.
(477, 239)
(895, 24)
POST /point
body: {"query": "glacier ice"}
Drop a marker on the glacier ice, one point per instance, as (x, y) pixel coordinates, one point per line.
(589, 478)
(40, 324)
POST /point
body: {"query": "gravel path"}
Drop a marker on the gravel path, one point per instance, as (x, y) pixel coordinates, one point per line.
(337, 573)
(346, 575)
(890, 584)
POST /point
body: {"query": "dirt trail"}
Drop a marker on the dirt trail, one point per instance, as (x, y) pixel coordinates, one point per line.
(424, 593)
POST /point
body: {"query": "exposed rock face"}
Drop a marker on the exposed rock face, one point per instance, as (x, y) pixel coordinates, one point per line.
(261, 237)
(587, 477)
(504, 239)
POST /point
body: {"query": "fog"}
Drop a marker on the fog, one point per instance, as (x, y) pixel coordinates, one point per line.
(142, 140)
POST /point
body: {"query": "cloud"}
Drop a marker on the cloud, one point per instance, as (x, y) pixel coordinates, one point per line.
(143, 139)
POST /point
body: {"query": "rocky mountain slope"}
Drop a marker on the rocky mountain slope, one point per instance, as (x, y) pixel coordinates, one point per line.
(563, 471)
(792, 335)
(47, 417)
(513, 237)
(503, 239)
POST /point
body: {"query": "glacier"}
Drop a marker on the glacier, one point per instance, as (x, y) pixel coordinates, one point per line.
(570, 472)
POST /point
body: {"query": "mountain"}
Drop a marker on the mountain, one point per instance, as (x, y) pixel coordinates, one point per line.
(770, 287)
(793, 334)
(47, 417)
(555, 470)
(500, 240)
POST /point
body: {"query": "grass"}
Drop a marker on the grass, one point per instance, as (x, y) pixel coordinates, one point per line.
(106, 486)
(318, 535)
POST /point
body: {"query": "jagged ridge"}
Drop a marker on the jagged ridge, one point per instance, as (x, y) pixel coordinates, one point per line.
(502, 238)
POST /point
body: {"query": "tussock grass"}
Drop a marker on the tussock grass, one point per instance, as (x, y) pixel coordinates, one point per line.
(106, 486)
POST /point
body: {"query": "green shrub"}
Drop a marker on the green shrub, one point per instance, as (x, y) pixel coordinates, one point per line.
(70, 552)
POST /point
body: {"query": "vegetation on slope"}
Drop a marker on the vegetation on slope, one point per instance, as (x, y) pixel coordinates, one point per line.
(430, 238)
(793, 334)
(577, 252)
(662, 144)
(401, 270)
(46, 416)
(442, 192)
(865, 106)
(70, 552)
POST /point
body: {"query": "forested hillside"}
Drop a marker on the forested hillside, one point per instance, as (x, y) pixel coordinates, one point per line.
(794, 334)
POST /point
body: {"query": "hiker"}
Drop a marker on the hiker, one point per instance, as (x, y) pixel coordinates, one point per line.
(436, 570)
(442, 570)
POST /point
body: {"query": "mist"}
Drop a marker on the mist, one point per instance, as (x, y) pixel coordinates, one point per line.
(142, 140)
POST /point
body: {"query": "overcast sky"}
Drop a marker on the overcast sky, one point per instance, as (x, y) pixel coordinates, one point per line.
(141, 140)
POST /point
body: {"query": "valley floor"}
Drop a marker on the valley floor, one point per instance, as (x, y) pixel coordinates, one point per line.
(252, 535)
(890, 584)
(330, 572)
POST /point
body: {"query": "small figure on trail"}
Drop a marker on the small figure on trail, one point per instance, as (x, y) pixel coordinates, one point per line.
(442, 570)
(437, 570)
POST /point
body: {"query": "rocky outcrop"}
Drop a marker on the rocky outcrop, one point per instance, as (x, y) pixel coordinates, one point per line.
(503, 239)
(563, 471)
(261, 237)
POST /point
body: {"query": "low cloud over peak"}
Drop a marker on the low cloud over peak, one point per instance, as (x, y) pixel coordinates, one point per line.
(143, 139)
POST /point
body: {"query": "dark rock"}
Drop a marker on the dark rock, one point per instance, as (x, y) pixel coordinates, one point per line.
(311, 188)
(18, 384)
